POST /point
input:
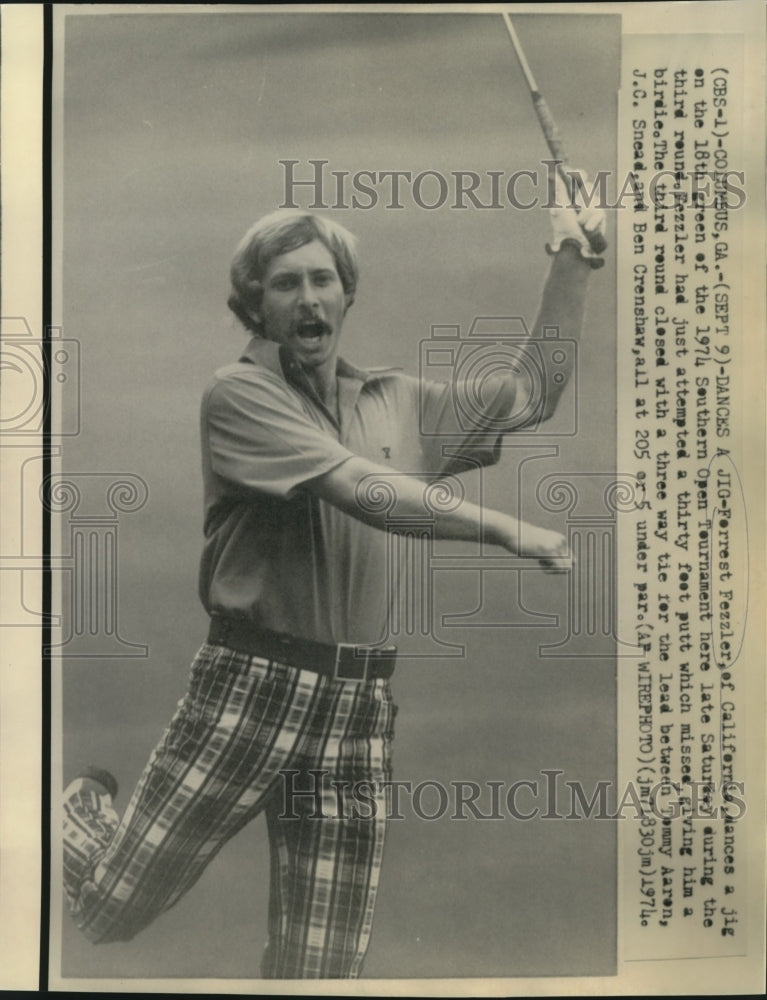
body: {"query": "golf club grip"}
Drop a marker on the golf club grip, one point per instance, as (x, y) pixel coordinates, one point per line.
(549, 126)
(597, 242)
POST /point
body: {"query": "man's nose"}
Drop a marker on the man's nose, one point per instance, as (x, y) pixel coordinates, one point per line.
(307, 293)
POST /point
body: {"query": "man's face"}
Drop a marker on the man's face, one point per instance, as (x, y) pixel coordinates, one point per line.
(304, 303)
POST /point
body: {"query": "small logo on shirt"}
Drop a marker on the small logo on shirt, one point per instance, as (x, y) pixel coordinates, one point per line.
(387, 452)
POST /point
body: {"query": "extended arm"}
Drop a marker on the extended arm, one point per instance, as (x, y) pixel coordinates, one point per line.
(347, 485)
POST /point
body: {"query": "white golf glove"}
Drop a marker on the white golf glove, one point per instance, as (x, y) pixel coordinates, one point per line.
(567, 224)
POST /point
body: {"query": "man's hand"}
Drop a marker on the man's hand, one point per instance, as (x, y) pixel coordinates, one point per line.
(567, 223)
(550, 548)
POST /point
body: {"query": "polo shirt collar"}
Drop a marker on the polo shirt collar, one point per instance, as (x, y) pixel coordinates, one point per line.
(272, 356)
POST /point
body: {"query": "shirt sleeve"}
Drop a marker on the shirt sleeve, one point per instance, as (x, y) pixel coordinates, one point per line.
(260, 437)
(461, 430)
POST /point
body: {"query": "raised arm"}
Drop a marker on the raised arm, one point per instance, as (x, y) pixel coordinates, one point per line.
(562, 305)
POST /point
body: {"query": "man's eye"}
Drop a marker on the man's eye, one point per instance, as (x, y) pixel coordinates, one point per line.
(323, 279)
(283, 284)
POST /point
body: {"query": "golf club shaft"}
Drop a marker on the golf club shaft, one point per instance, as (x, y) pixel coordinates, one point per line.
(549, 128)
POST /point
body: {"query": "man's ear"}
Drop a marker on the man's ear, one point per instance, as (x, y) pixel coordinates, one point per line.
(349, 299)
(253, 301)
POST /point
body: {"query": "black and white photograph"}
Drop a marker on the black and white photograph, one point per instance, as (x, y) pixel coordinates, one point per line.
(401, 545)
(342, 160)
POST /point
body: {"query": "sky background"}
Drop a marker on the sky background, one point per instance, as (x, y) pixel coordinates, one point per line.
(173, 129)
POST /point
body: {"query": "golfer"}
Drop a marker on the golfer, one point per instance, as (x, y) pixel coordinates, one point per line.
(290, 692)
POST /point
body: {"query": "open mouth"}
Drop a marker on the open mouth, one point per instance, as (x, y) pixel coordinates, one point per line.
(312, 331)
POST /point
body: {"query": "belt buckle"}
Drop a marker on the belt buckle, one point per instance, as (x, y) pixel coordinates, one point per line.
(359, 671)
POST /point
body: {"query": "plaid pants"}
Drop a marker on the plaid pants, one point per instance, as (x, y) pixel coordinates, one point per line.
(250, 735)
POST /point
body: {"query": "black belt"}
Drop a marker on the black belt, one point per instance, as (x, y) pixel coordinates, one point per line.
(344, 662)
